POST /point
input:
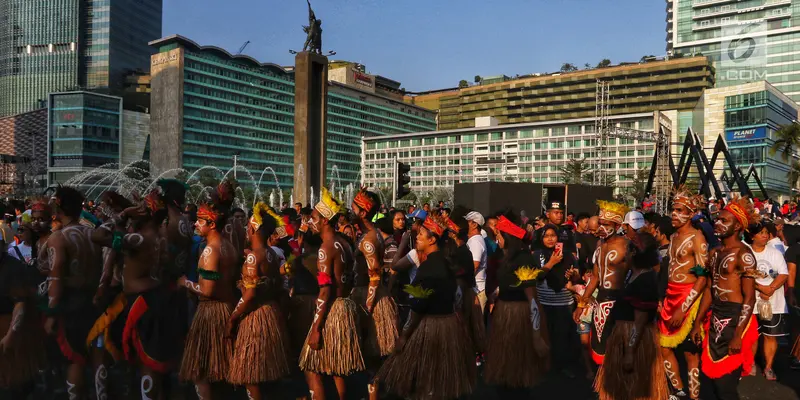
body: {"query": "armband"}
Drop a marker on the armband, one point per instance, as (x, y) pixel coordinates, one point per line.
(209, 275)
(753, 273)
(323, 279)
(116, 243)
(699, 271)
(375, 278)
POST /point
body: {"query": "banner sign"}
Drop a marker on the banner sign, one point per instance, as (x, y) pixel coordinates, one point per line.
(746, 134)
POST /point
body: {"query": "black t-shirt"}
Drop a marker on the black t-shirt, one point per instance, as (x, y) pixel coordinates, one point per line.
(435, 274)
(588, 246)
(463, 266)
(641, 295)
(791, 256)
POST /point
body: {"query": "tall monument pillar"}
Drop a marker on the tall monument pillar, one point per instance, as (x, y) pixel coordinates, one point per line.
(310, 127)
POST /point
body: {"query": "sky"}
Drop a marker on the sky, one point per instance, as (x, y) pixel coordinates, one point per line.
(432, 44)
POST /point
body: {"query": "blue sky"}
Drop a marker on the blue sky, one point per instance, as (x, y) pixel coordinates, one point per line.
(432, 44)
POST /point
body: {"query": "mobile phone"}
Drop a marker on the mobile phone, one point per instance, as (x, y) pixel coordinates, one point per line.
(559, 248)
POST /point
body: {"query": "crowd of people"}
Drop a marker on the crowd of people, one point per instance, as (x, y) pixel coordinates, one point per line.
(420, 301)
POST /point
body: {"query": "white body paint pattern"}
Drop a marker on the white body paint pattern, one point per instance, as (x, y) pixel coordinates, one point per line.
(318, 311)
(606, 272)
(535, 316)
(694, 382)
(671, 374)
(100, 377)
(322, 256)
(134, 239)
(197, 391)
(249, 396)
(183, 228)
(682, 218)
(71, 391)
(239, 304)
(720, 292)
(19, 315)
(459, 298)
(689, 300)
(675, 266)
(251, 262)
(338, 246)
(745, 314)
(601, 316)
(146, 387)
(634, 336)
(719, 325)
(206, 254)
(193, 286)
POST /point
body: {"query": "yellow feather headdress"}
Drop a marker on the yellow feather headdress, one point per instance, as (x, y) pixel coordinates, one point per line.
(527, 274)
(259, 211)
(611, 211)
(327, 206)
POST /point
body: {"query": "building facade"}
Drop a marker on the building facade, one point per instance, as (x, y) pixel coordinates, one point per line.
(770, 29)
(639, 87)
(529, 152)
(747, 116)
(89, 130)
(57, 45)
(209, 106)
(23, 153)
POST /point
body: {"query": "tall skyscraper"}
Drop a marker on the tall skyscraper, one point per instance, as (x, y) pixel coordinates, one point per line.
(748, 40)
(56, 45)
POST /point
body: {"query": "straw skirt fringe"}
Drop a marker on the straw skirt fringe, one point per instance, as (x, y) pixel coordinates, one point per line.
(511, 359)
(435, 363)
(207, 354)
(21, 363)
(473, 317)
(340, 354)
(261, 351)
(380, 333)
(646, 381)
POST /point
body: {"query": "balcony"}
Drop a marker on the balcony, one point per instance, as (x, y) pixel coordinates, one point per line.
(725, 21)
(706, 3)
(731, 9)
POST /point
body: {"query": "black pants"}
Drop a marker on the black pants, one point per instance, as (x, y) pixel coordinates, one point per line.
(724, 388)
(563, 336)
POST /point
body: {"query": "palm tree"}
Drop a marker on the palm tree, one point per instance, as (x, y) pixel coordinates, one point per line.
(794, 174)
(787, 140)
(573, 171)
(567, 67)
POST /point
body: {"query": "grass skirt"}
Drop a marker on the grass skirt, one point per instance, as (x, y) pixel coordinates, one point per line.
(261, 351)
(511, 359)
(436, 362)
(646, 382)
(208, 353)
(473, 318)
(20, 364)
(340, 354)
(380, 333)
(301, 316)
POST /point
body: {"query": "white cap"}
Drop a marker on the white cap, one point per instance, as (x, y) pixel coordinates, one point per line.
(635, 219)
(475, 217)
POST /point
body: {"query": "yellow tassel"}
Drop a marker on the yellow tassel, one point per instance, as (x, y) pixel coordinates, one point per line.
(100, 326)
(418, 291)
(527, 274)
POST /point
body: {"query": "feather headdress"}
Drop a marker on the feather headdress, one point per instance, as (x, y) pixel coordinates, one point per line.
(327, 206)
(611, 211)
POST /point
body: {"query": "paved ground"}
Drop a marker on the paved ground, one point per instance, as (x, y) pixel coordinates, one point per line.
(555, 386)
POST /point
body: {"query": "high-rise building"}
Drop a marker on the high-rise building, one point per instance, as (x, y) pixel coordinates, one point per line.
(747, 40)
(209, 106)
(56, 45)
(634, 88)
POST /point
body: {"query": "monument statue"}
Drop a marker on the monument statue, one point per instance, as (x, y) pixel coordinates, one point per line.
(313, 31)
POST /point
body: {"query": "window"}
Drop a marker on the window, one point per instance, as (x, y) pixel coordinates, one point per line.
(511, 135)
(574, 130)
(482, 137)
(557, 145)
(525, 134)
(429, 141)
(441, 140)
(497, 136)
(540, 132)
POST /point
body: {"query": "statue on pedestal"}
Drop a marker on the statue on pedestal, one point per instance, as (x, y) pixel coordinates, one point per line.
(314, 31)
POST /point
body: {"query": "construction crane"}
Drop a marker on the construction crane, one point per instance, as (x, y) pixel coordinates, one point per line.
(659, 171)
(241, 49)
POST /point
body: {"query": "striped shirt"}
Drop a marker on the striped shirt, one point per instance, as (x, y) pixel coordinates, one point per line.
(549, 297)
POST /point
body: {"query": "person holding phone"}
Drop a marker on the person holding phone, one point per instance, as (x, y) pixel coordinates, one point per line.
(556, 301)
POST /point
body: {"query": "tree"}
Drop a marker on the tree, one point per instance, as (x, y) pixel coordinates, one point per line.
(463, 83)
(604, 63)
(567, 67)
(637, 190)
(573, 172)
(787, 140)
(587, 66)
(607, 179)
(478, 79)
(794, 174)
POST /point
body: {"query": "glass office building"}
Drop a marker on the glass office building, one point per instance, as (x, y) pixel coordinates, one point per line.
(748, 40)
(57, 45)
(209, 106)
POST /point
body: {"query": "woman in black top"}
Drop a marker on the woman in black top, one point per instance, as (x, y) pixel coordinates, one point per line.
(432, 357)
(518, 353)
(633, 367)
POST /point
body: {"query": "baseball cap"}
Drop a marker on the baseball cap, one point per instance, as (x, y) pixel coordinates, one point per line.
(475, 217)
(555, 205)
(419, 214)
(635, 219)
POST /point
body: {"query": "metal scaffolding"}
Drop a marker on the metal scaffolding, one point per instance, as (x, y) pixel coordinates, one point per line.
(660, 175)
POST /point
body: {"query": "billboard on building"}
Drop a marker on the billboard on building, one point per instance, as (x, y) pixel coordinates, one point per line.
(743, 53)
(746, 134)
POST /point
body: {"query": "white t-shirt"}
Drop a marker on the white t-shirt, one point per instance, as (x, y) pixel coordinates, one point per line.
(477, 247)
(777, 243)
(24, 249)
(414, 258)
(771, 262)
